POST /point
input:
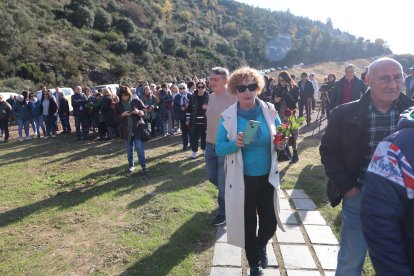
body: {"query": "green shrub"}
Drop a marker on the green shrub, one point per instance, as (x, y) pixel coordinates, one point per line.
(29, 71)
(112, 6)
(138, 45)
(182, 52)
(17, 84)
(170, 45)
(82, 16)
(125, 25)
(118, 47)
(103, 20)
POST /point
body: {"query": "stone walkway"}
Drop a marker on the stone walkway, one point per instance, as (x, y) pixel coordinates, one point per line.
(307, 248)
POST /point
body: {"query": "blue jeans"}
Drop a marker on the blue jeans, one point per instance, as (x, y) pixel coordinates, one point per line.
(23, 124)
(215, 172)
(81, 120)
(37, 124)
(139, 145)
(353, 248)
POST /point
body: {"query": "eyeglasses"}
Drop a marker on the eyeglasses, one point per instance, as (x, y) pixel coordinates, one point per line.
(388, 79)
(242, 88)
(201, 87)
(181, 88)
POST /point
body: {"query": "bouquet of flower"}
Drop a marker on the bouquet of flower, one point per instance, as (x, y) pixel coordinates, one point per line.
(286, 130)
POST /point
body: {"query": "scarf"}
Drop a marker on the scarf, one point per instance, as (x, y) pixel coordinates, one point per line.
(127, 107)
(250, 114)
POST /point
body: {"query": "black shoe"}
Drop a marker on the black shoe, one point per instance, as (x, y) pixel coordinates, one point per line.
(219, 220)
(263, 257)
(295, 157)
(256, 271)
(144, 168)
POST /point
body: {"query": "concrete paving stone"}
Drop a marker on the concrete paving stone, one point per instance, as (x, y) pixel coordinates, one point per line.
(302, 273)
(271, 272)
(293, 234)
(304, 204)
(271, 257)
(329, 273)
(297, 193)
(284, 204)
(311, 217)
(226, 255)
(321, 234)
(297, 257)
(288, 217)
(327, 255)
(282, 194)
(226, 271)
(221, 234)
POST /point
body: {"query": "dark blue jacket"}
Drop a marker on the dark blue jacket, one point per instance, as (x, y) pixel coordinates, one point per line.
(181, 115)
(79, 104)
(387, 207)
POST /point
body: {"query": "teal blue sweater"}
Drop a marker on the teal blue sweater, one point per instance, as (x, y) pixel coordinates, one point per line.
(256, 155)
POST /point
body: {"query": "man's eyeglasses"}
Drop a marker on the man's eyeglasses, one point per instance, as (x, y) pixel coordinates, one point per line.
(201, 87)
(181, 88)
(387, 79)
(242, 88)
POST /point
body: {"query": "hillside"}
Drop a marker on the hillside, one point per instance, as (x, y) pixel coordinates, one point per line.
(70, 42)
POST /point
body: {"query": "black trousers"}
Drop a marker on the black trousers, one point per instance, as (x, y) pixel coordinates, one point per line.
(185, 133)
(4, 125)
(258, 195)
(198, 131)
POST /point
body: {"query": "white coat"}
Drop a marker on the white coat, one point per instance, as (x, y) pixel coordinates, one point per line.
(234, 196)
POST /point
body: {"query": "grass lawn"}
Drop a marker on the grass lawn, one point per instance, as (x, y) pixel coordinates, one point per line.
(70, 208)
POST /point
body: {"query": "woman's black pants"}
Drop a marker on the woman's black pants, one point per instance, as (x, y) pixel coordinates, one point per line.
(258, 195)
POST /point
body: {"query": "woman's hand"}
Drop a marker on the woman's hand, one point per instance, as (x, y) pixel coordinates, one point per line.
(125, 113)
(278, 99)
(240, 140)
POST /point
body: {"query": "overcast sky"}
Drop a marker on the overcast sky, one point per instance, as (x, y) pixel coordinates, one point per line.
(390, 21)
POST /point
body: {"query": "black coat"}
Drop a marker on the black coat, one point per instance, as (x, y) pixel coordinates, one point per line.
(344, 144)
(289, 98)
(63, 107)
(307, 92)
(177, 107)
(52, 106)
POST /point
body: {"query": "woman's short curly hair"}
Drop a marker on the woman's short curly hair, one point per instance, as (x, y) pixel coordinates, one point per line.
(245, 73)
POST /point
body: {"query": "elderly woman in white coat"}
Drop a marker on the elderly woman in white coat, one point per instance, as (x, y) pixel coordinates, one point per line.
(252, 175)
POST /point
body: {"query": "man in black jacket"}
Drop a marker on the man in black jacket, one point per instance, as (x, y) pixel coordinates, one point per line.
(305, 96)
(349, 88)
(353, 132)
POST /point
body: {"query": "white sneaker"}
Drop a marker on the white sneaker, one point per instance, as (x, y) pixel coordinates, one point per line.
(28, 138)
(21, 139)
(193, 155)
(53, 136)
(45, 137)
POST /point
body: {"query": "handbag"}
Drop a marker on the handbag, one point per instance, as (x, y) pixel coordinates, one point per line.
(145, 133)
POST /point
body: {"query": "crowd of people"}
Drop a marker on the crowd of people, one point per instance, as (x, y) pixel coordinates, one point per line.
(213, 114)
